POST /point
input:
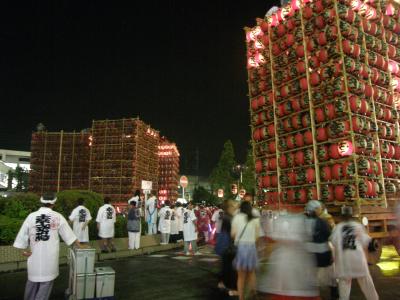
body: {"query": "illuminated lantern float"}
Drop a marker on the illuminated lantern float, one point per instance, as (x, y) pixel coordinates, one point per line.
(324, 95)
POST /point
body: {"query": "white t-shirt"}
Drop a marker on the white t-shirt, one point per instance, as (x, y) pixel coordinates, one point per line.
(250, 234)
(217, 218)
(135, 199)
(165, 219)
(106, 217)
(179, 214)
(349, 239)
(79, 216)
(151, 210)
(189, 228)
(40, 231)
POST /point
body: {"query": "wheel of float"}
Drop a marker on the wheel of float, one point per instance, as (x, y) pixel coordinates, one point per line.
(374, 251)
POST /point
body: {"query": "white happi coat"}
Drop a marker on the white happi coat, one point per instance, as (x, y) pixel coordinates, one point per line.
(165, 219)
(179, 215)
(151, 210)
(106, 217)
(349, 239)
(174, 222)
(40, 232)
(189, 228)
(292, 269)
(79, 216)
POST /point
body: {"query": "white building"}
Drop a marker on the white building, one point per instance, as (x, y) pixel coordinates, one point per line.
(9, 160)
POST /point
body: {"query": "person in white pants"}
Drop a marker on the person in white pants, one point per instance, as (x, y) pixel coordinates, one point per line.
(151, 214)
(349, 240)
(134, 227)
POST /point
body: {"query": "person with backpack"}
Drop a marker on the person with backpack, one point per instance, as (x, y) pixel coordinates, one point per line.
(134, 226)
(245, 231)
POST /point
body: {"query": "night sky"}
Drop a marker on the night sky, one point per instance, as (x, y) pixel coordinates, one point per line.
(179, 65)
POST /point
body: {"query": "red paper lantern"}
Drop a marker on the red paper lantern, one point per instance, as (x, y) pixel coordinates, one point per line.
(310, 175)
(339, 193)
(337, 171)
(334, 151)
(299, 158)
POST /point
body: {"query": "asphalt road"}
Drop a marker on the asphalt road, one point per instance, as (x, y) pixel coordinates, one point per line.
(169, 275)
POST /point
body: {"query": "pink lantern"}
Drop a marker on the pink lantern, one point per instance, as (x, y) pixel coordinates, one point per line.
(389, 9)
(273, 20)
(370, 13)
(355, 4)
(252, 63)
(393, 67)
(345, 148)
(295, 4)
(258, 44)
(260, 58)
(252, 34)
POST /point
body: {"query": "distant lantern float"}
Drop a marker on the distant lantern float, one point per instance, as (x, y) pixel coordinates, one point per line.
(345, 148)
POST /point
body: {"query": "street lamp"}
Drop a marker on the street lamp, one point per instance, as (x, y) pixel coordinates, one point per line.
(239, 169)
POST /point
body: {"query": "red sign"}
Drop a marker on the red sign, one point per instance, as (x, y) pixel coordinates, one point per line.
(184, 181)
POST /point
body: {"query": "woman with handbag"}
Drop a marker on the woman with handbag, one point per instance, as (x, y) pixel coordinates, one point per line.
(133, 226)
(245, 232)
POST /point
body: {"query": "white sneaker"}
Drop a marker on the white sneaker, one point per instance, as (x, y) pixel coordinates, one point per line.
(187, 253)
(197, 253)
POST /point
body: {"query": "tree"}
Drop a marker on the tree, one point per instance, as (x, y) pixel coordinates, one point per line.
(200, 195)
(249, 180)
(22, 177)
(221, 175)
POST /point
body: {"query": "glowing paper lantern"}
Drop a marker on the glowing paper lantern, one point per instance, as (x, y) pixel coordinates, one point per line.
(345, 148)
(260, 58)
(389, 9)
(252, 63)
(295, 4)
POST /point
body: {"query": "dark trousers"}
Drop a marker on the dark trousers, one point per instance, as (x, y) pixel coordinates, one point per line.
(228, 272)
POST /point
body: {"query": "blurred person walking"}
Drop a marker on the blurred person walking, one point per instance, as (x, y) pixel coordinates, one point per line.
(217, 219)
(106, 218)
(134, 226)
(350, 240)
(245, 231)
(80, 218)
(320, 231)
(165, 222)
(224, 248)
(203, 223)
(291, 272)
(40, 232)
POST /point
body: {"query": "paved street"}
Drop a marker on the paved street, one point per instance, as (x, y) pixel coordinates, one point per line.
(171, 276)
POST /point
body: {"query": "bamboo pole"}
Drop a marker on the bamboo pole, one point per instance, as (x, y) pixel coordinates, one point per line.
(59, 160)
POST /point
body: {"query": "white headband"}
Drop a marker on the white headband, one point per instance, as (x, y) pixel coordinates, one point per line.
(48, 201)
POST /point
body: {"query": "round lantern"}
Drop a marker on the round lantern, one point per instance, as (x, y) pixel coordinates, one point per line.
(296, 121)
(259, 166)
(348, 169)
(295, 103)
(290, 141)
(299, 158)
(290, 196)
(321, 134)
(305, 120)
(319, 115)
(271, 130)
(303, 84)
(283, 163)
(272, 164)
(308, 138)
(326, 173)
(271, 147)
(323, 152)
(292, 178)
(299, 139)
(254, 104)
(334, 151)
(337, 171)
(339, 193)
(329, 110)
(301, 195)
(266, 181)
(345, 148)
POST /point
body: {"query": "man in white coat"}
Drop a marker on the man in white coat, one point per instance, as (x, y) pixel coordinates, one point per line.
(40, 231)
(106, 218)
(349, 240)
(80, 218)
(165, 222)
(179, 215)
(190, 230)
(151, 214)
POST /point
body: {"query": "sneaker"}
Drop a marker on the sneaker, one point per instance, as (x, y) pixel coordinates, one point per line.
(233, 293)
(187, 253)
(197, 253)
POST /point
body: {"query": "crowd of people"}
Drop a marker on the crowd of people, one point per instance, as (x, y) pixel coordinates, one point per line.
(309, 251)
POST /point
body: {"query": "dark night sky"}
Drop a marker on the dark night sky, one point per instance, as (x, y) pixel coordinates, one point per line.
(179, 65)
